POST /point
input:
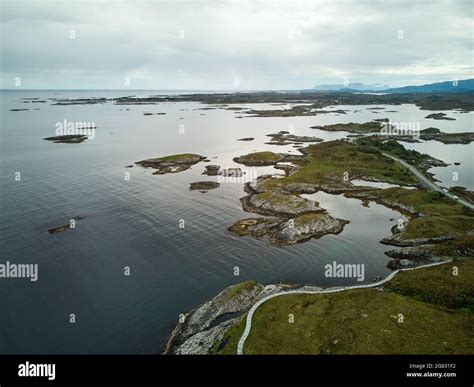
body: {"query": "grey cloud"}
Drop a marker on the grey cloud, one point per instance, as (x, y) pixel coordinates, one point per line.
(267, 44)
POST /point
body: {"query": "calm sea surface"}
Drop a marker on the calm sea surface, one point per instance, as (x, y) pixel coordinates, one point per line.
(135, 222)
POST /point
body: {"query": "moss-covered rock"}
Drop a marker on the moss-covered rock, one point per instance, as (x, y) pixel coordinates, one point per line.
(259, 159)
(285, 138)
(277, 204)
(204, 185)
(256, 227)
(440, 116)
(305, 227)
(353, 127)
(212, 170)
(68, 139)
(171, 164)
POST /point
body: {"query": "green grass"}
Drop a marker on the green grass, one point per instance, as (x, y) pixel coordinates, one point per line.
(437, 284)
(309, 218)
(436, 306)
(260, 157)
(422, 201)
(335, 324)
(463, 193)
(180, 157)
(439, 215)
(462, 246)
(231, 339)
(354, 127)
(329, 161)
(395, 148)
(436, 226)
(275, 199)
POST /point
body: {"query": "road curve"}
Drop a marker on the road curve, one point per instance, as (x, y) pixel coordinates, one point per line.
(428, 183)
(248, 322)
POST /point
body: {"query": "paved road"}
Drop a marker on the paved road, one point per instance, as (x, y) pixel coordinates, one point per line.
(428, 183)
(248, 323)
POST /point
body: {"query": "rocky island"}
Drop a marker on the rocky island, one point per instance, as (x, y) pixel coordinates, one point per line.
(446, 138)
(353, 127)
(299, 110)
(212, 170)
(259, 159)
(204, 186)
(64, 227)
(285, 138)
(68, 139)
(440, 116)
(171, 164)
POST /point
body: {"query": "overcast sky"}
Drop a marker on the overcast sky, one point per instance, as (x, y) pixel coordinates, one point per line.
(211, 44)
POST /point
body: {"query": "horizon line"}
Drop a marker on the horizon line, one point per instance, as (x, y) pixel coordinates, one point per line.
(222, 90)
(91, 89)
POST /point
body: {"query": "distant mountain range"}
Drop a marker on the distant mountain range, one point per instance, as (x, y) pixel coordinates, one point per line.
(448, 86)
(350, 87)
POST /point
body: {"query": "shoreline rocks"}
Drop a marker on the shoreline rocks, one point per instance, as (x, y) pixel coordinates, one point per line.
(412, 257)
(206, 325)
(196, 334)
(398, 240)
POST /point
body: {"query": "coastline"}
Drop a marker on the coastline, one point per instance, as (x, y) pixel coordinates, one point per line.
(143, 185)
(213, 341)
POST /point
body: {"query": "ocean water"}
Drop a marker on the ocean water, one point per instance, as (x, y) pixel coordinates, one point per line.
(135, 222)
